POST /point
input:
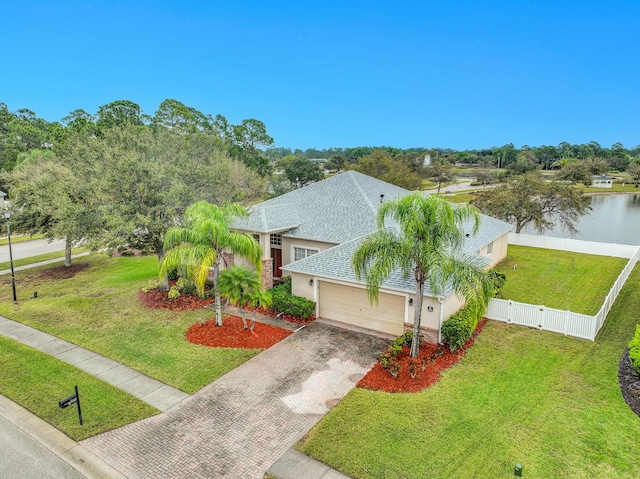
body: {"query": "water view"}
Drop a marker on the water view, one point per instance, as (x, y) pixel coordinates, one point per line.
(613, 219)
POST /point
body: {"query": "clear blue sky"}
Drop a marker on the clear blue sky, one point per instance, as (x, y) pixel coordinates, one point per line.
(457, 74)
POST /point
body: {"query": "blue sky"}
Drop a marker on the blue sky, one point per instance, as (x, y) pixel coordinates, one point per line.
(456, 74)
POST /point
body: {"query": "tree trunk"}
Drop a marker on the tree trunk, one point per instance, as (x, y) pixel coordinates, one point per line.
(417, 316)
(216, 274)
(67, 252)
(164, 282)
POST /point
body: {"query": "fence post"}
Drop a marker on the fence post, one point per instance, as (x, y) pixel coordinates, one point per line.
(541, 316)
(509, 312)
(567, 315)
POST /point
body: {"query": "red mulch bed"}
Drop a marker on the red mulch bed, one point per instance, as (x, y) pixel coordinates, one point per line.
(232, 335)
(436, 359)
(185, 302)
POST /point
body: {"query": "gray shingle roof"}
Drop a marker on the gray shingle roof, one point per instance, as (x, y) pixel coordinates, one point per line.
(334, 210)
(335, 263)
(342, 209)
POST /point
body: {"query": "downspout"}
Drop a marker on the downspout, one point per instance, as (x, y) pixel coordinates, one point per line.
(441, 302)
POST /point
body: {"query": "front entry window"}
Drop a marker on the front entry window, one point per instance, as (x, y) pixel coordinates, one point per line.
(301, 253)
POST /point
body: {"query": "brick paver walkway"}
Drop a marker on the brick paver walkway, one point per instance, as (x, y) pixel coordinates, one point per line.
(239, 425)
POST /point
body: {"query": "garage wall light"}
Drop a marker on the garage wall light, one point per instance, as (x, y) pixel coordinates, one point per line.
(311, 282)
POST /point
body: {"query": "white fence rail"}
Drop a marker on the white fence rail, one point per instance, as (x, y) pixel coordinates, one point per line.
(555, 320)
(577, 246)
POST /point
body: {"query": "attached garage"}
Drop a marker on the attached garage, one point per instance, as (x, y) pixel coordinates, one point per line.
(351, 305)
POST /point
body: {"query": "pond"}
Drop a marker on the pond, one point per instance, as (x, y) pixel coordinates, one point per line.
(613, 219)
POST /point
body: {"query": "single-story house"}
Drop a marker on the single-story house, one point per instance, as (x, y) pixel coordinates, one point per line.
(602, 182)
(311, 234)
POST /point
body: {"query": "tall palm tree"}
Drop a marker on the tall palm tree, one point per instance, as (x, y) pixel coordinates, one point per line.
(425, 240)
(197, 247)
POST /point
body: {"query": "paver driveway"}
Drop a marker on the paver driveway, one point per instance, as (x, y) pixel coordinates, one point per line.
(239, 425)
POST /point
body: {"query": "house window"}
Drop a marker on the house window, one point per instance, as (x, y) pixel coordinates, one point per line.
(256, 237)
(276, 240)
(301, 253)
(490, 248)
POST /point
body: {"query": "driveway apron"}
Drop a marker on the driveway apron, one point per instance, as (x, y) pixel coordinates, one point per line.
(239, 425)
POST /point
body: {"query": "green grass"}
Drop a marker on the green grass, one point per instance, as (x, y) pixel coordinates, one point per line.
(38, 381)
(38, 258)
(617, 188)
(558, 279)
(19, 239)
(549, 402)
(98, 309)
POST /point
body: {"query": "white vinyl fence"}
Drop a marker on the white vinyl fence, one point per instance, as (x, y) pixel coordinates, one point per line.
(558, 321)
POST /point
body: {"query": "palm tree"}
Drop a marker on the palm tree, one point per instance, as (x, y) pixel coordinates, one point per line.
(197, 247)
(240, 285)
(426, 241)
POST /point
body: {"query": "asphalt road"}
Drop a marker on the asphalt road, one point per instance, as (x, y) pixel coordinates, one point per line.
(26, 249)
(24, 458)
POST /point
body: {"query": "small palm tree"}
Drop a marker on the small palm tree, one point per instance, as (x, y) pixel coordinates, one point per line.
(197, 247)
(239, 285)
(426, 242)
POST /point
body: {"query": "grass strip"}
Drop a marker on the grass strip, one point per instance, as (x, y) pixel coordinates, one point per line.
(38, 381)
(19, 239)
(41, 257)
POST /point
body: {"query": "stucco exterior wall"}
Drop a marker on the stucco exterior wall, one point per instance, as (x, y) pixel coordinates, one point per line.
(300, 285)
(499, 251)
(289, 243)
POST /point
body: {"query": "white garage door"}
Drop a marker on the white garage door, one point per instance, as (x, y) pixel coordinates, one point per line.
(351, 305)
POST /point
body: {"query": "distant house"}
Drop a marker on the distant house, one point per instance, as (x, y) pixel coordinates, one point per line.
(602, 182)
(311, 234)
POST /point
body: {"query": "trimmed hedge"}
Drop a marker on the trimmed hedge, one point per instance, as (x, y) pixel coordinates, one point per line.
(285, 302)
(634, 350)
(455, 332)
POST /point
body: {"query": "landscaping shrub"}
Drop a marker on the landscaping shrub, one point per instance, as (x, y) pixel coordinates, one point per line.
(498, 280)
(174, 293)
(389, 359)
(456, 331)
(634, 350)
(285, 302)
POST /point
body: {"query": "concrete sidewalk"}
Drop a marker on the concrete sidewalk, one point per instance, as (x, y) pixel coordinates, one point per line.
(135, 383)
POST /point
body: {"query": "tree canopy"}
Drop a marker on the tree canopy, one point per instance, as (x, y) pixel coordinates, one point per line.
(529, 200)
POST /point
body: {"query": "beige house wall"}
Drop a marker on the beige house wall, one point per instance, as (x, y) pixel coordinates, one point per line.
(499, 251)
(300, 285)
(289, 243)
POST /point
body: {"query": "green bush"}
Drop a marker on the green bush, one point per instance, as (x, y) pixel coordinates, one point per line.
(285, 302)
(455, 332)
(174, 293)
(498, 280)
(634, 350)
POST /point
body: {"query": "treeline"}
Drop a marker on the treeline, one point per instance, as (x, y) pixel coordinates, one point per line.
(22, 131)
(546, 157)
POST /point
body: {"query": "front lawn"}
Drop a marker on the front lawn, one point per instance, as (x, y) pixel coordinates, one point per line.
(559, 279)
(98, 309)
(549, 402)
(38, 381)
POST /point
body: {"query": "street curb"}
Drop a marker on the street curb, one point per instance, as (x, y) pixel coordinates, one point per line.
(78, 457)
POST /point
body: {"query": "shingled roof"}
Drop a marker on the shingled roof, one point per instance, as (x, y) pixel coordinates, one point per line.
(334, 210)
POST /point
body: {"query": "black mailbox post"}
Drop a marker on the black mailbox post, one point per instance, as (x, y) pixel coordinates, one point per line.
(73, 399)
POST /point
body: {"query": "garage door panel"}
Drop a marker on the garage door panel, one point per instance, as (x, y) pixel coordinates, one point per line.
(351, 305)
